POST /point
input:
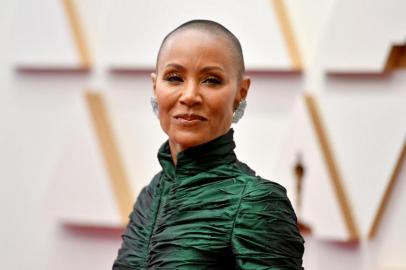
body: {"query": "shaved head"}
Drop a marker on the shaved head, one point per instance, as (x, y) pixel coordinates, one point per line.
(216, 29)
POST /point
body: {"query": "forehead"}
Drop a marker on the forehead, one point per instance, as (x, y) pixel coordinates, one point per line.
(197, 45)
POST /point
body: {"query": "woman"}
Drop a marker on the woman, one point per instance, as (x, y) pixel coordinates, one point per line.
(206, 209)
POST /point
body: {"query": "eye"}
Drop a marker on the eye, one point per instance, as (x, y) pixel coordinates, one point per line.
(211, 80)
(173, 78)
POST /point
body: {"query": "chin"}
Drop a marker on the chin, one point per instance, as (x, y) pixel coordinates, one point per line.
(190, 138)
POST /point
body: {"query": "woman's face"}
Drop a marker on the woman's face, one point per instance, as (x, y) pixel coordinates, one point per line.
(197, 88)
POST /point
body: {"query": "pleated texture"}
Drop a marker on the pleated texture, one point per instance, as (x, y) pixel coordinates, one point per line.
(210, 211)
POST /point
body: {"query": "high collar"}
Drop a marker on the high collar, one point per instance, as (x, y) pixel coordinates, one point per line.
(199, 158)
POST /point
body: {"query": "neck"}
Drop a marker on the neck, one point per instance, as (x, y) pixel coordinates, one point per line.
(191, 160)
(175, 149)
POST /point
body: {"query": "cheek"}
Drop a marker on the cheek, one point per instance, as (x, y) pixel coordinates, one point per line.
(166, 101)
(222, 107)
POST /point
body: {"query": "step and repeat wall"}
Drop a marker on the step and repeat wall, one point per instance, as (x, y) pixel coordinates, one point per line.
(325, 118)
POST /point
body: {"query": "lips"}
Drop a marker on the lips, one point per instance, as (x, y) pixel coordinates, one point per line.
(190, 117)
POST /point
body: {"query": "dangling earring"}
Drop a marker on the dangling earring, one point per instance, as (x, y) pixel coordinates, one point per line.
(239, 112)
(155, 107)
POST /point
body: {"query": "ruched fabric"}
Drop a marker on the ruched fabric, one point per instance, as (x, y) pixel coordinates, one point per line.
(210, 211)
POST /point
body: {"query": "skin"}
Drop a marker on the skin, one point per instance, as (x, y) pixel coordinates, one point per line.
(197, 88)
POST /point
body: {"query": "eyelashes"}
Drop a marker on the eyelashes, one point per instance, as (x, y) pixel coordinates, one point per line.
(211, 80)
(175, 78)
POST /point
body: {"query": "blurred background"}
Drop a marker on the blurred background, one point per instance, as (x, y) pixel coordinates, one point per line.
(325, 118)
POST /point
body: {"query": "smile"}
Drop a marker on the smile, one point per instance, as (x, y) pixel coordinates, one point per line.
(190, 117)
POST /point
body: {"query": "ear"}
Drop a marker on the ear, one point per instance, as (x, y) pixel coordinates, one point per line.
(243, 90)
(245, 86)
(153, 78)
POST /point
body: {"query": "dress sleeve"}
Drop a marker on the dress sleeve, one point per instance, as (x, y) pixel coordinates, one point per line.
(129, 255)
(132, 254)
(265, 233)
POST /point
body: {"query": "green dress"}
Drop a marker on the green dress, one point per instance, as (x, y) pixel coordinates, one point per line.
(210, 211)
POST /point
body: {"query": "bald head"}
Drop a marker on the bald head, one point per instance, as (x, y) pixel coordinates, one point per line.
(216, 29)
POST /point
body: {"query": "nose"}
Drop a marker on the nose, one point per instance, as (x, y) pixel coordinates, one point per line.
(191, 95)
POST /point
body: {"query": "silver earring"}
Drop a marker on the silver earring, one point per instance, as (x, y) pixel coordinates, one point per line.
(155, 107)
(239, 112)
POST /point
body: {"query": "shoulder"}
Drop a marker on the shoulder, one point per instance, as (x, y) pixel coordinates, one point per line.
(265, 195)
(146, 195)
(265, 229)
(149, 189)
(260, 188)
(257, 187)
(262, 197)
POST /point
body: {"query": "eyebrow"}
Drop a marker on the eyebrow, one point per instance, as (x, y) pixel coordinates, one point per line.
(205, 69)
(210, 68)
(173, 65)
